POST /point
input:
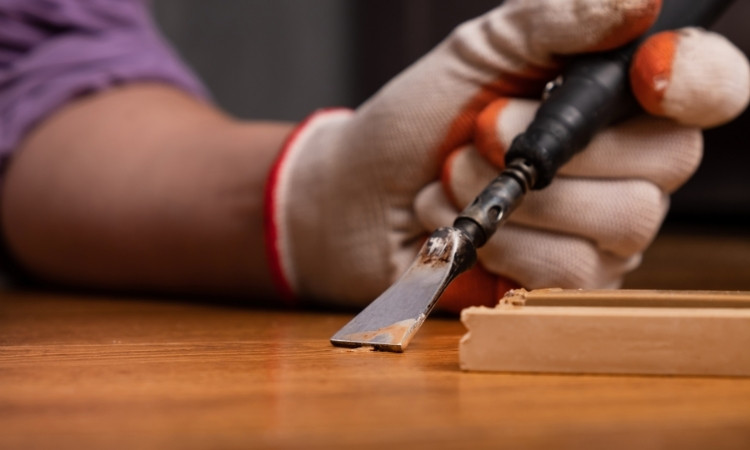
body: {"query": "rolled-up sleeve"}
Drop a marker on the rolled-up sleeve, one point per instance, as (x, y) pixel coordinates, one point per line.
(54, 50)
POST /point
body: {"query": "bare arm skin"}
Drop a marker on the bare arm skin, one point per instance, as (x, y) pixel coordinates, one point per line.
(143, 188)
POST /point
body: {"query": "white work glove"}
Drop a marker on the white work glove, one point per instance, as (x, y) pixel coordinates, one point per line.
(341, 220)
(591, 225)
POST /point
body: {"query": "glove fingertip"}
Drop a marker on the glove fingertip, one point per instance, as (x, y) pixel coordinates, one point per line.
(486, 137)
(695, 77)
(636, 20)
(651, 70)
(446, 178)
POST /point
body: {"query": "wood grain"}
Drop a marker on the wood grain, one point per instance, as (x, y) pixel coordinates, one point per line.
(607, 340)
(652, 298)
(96, 372)
(102, 372)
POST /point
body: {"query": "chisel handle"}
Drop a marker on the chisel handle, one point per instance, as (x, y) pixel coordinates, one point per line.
(592, 92)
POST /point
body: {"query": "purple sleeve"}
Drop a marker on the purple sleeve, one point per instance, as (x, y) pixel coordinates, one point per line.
(54, 50)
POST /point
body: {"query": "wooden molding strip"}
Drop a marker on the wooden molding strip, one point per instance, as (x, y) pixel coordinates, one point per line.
(628, 297)
(677, 333)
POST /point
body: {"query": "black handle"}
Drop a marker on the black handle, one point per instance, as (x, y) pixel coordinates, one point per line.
(594, 92)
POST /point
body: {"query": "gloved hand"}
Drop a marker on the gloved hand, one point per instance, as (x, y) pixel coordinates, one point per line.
(341, 222)
(591, 225)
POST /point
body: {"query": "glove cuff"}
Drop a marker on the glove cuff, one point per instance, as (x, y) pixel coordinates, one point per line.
(278, 252)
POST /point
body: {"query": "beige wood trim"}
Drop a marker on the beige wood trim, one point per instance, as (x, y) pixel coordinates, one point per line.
(689, 339)
(628, 297)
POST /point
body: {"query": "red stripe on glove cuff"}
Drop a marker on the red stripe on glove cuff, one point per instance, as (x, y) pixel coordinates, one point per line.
(271, 210)
(270, 222)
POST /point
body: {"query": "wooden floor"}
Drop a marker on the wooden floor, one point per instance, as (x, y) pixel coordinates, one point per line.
(100, 372)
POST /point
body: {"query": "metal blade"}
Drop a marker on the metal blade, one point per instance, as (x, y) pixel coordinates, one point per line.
(390, 321)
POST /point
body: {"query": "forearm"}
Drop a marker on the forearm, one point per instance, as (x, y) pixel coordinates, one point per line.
(142, 187)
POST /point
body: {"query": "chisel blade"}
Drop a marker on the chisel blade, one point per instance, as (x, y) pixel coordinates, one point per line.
(390, 321)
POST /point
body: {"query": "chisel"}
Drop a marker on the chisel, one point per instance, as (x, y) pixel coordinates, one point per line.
(592, 92)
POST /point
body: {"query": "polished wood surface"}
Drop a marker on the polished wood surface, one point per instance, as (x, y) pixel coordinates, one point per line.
(87, 371)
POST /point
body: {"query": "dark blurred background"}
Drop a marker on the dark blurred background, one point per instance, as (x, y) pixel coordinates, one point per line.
(281, 59)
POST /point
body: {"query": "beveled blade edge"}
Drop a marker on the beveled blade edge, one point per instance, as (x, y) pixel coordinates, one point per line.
(392, 319)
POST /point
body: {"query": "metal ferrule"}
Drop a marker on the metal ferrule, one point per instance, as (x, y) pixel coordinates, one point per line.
(494, 204)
